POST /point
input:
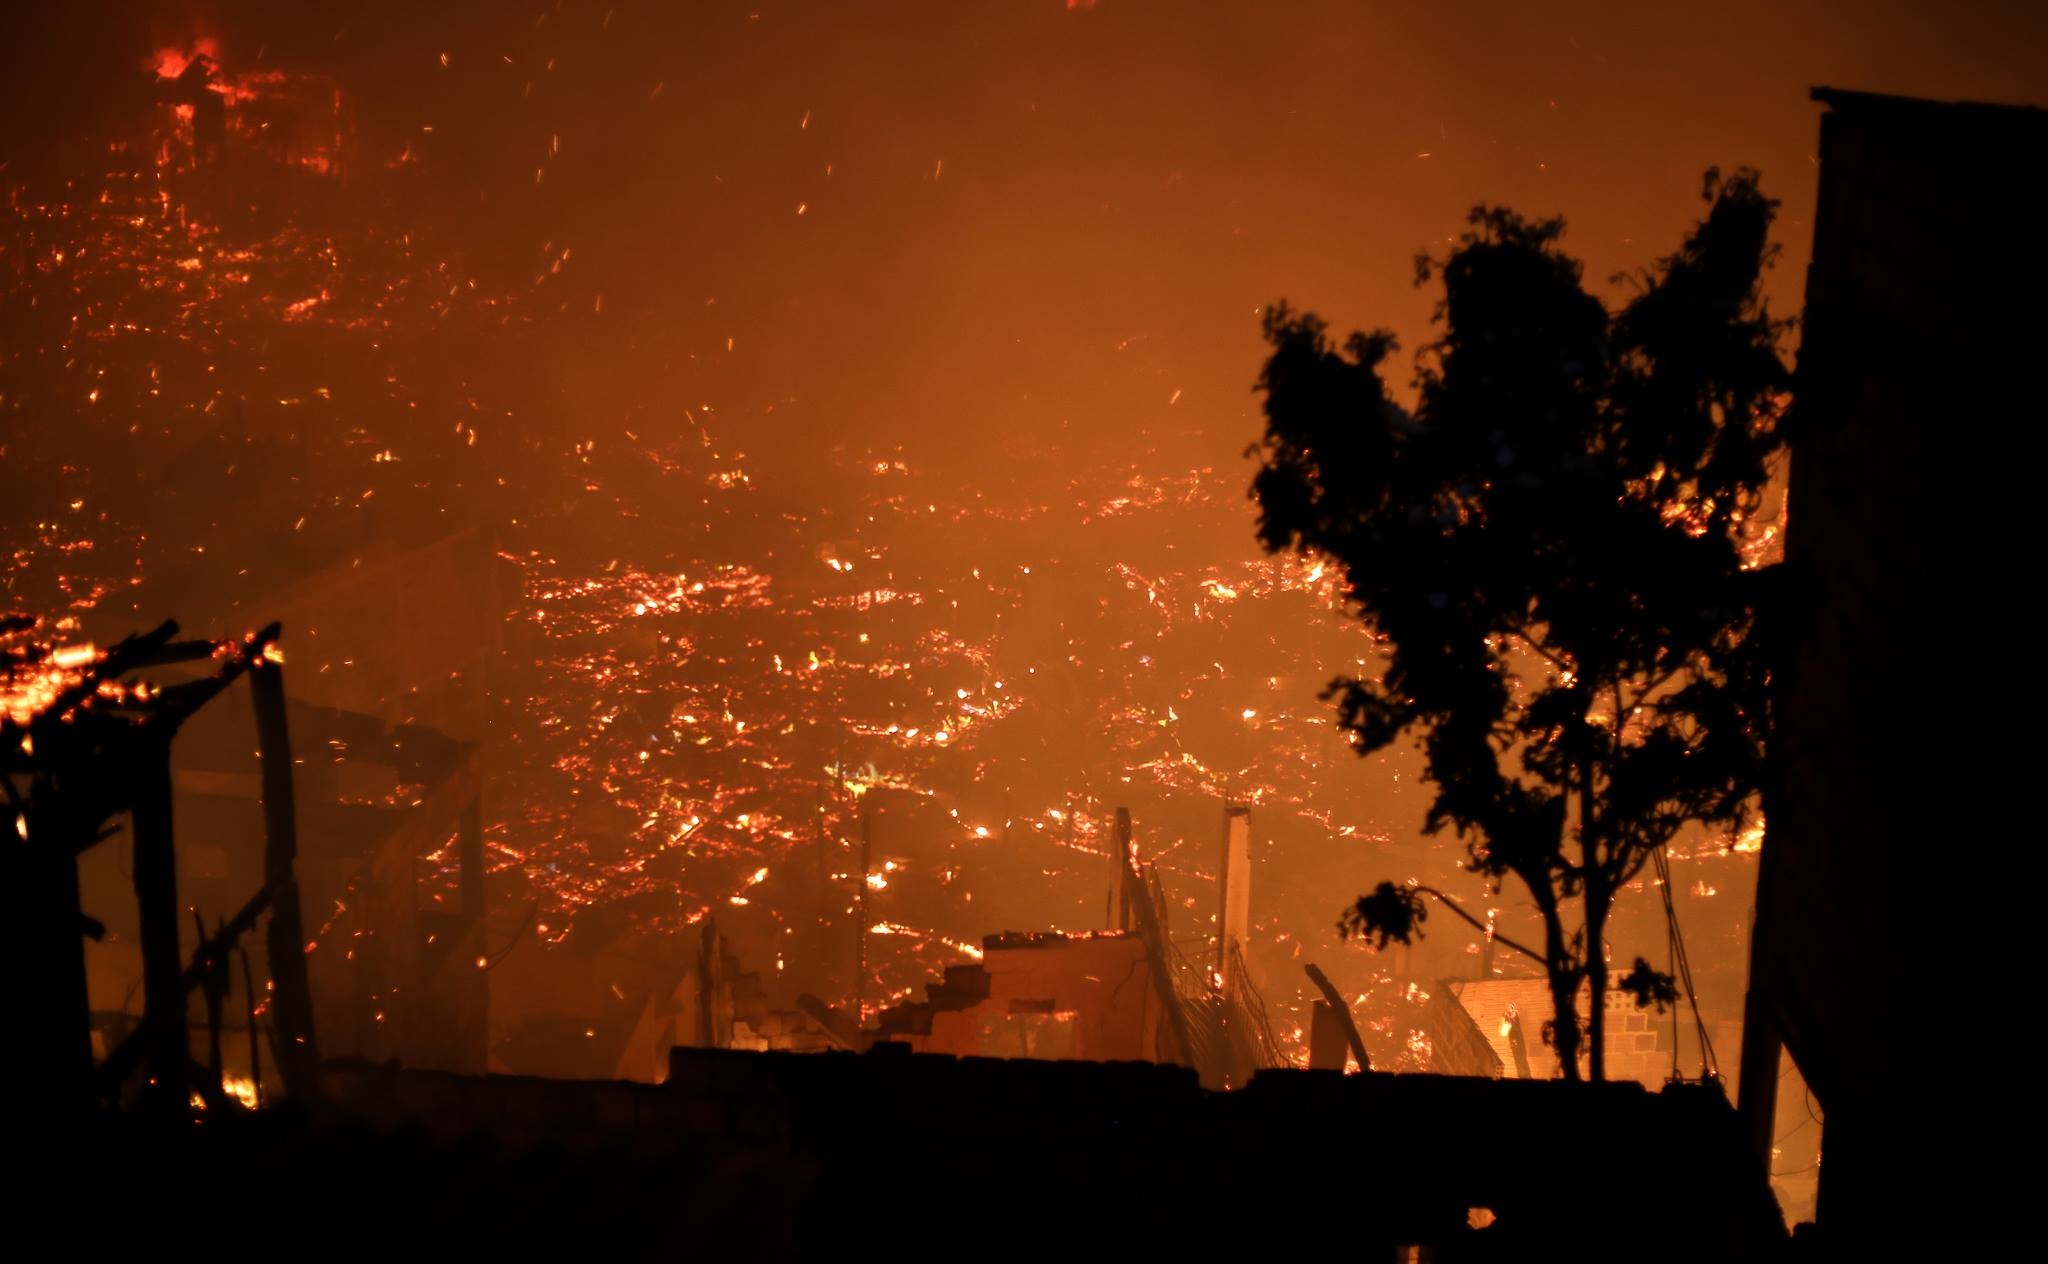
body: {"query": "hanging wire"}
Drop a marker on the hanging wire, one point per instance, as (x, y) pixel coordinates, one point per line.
(1710, 1066)
(1671, 964)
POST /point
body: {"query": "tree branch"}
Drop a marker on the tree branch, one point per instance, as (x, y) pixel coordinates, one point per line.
(1483, 928)
(1648, 692)
(1520, 631)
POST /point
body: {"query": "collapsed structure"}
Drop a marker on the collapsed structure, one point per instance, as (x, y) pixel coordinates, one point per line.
(390, 873)
(1494, 1026)
(138, 804)
(1122, 994)
(81, 743)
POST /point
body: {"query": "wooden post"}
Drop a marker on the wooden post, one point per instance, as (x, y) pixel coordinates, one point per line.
(860, 895)
(1328, 1047)
(213, 986)
(827, 841)
(1335, 1000)
(714, 1003)
(285, 938)
(819, 867)
(1234, 894)
(165, 1050)
(52, 1047)
(255, 1044)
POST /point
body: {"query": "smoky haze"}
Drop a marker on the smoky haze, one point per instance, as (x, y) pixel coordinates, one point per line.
(1039, 219)
(920, 336)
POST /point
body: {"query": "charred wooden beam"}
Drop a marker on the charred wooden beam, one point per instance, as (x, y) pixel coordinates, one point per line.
(175, 652)
(129, 1054)
(52, 1049)
(1343, 1012)
(255, 1040)
(292, 1010)
(213, 985)
(156, 897)
(841, 1031)
(1328, 1047)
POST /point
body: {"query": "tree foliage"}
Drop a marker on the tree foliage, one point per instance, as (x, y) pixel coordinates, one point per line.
(1551, 546)
(1390, 914)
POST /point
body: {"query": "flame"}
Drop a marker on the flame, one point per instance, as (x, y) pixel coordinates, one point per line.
(71, 657)
(170, 62)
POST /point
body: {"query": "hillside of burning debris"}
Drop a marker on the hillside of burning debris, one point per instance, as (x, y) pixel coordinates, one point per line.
(238, 365)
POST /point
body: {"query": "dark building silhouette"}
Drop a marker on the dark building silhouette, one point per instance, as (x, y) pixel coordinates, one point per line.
(895, 1155)
(1908, 552)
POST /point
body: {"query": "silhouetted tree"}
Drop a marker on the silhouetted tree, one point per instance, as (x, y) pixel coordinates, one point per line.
(1550, 547)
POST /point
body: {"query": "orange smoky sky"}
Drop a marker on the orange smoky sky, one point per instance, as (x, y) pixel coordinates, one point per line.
(946, 224)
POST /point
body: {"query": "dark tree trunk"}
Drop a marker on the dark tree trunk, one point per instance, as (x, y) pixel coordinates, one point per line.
(1597, 897)
(1564, 992)
(1596, 973)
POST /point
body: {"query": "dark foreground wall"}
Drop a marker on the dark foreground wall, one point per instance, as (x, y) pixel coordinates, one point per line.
(912, 1157)
(1901, 815)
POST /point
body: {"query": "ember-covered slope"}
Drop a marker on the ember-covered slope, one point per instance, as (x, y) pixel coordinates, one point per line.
(807, 412)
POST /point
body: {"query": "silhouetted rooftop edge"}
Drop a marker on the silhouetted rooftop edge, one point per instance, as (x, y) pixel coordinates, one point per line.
(1848, 99)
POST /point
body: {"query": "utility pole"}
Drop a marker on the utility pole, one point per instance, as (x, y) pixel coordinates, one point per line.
(1125, 862)
(825, 797)
(860, 896)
